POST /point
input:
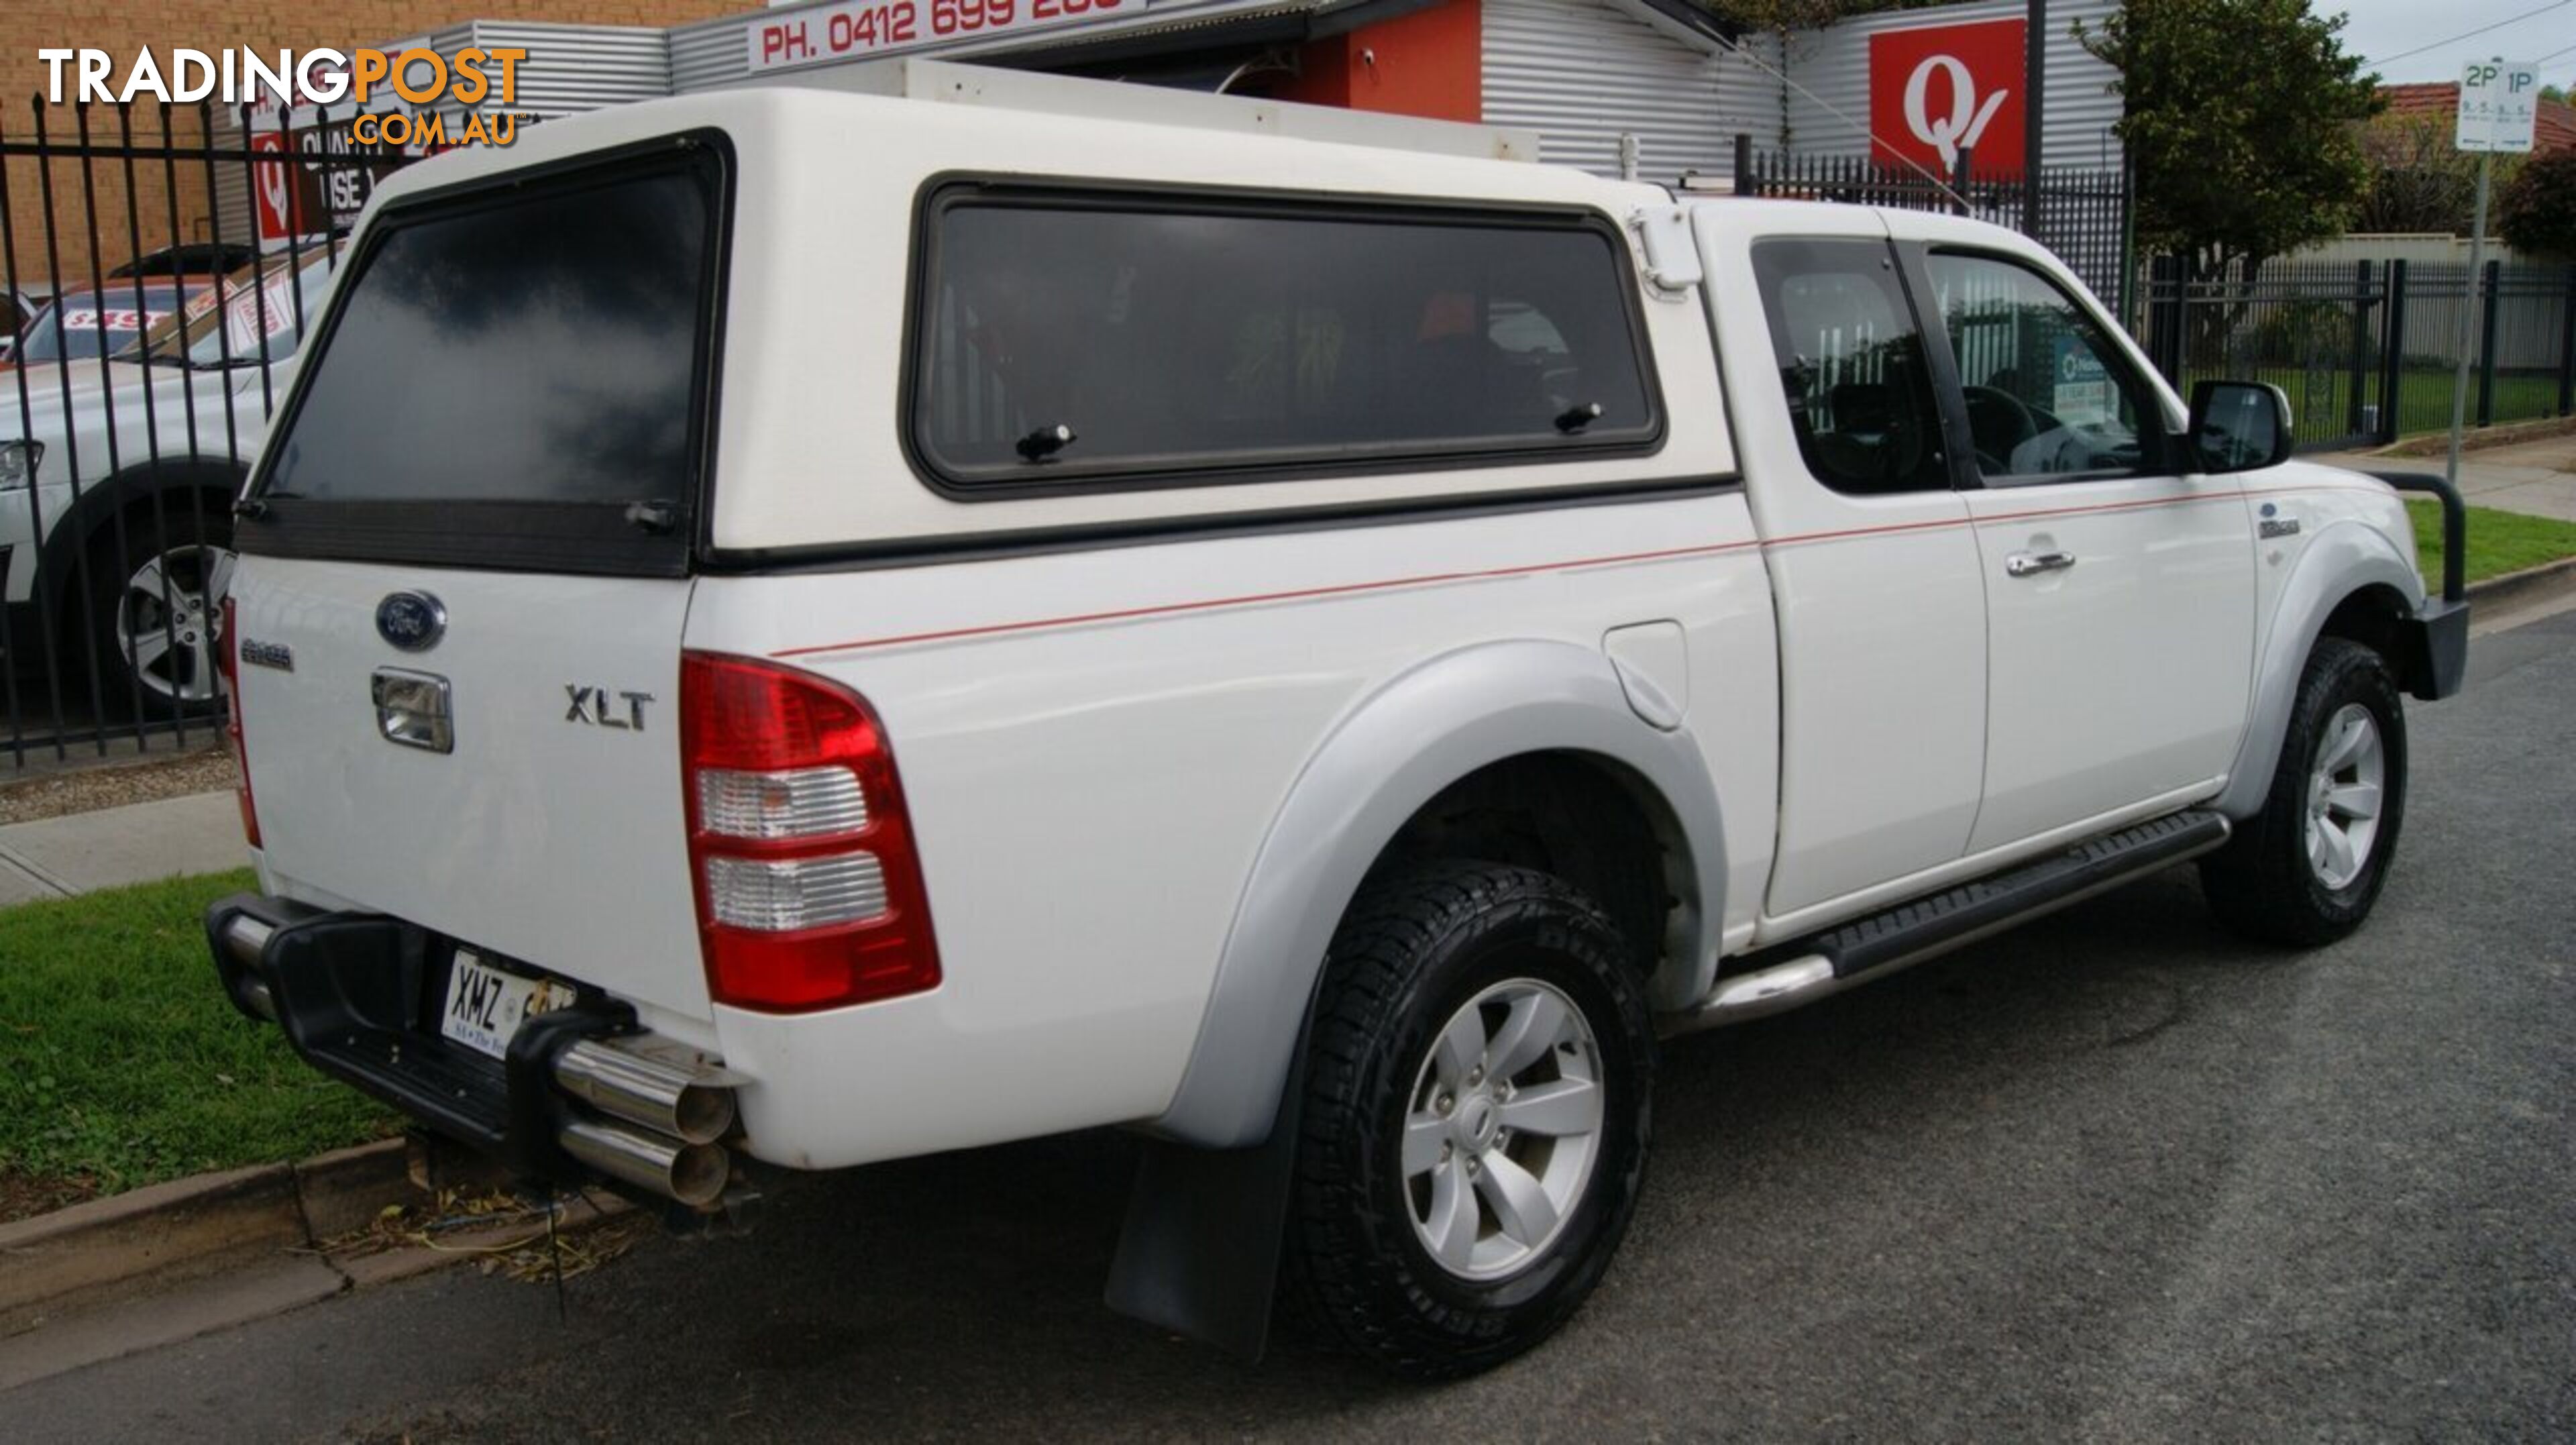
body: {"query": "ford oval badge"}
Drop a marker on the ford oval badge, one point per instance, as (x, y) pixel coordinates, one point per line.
(412, 621)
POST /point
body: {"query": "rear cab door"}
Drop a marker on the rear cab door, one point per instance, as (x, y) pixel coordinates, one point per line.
(459, 617)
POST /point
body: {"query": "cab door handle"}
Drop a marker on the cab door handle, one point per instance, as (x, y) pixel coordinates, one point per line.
(2031, 564)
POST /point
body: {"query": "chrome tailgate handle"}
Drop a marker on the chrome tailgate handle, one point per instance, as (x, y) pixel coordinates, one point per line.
(413, 709)
(2031, 564)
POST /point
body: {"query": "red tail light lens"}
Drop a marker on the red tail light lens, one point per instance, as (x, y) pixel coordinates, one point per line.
(228, 655)
(808, 885)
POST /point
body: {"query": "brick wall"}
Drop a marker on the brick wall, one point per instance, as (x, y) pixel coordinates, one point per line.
(210, 25)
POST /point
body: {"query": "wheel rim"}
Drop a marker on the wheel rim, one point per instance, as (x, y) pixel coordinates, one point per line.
(165, 622)
(1502, 1129)
(2345, 796)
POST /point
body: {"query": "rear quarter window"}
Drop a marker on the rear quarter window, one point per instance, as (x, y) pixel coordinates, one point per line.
(1097, 341)
(516, 373)
(541, 349)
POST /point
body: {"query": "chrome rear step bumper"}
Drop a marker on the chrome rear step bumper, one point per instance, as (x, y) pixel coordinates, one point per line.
(582, 1094)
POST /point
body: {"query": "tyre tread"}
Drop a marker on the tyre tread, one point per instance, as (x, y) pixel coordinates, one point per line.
(2260, 885)
(1335, 1240)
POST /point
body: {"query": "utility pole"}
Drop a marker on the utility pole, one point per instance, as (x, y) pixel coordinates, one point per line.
(2034, 107)
(2469, 320)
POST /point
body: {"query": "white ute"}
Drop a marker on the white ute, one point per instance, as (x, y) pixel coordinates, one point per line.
(796, 628)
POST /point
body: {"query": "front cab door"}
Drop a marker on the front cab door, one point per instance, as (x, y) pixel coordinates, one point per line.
(2119, 583)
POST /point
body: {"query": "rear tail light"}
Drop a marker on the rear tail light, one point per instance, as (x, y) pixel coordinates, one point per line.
(228, 655)
(809, 888)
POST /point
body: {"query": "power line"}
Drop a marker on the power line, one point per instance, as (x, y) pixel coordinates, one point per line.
(1941, 183)
(2481, 30)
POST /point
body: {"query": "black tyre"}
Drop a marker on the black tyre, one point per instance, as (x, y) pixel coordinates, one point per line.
(155, 601)
(1476, 1112)
(2306, 870)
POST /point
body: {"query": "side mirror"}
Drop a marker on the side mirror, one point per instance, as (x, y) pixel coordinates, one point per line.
(2238, 426)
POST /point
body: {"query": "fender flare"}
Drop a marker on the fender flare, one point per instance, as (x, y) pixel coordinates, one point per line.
(2342, 559)
(1388, 756)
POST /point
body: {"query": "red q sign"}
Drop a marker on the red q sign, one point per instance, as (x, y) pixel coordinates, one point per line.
(1941, 89)
(273, 185)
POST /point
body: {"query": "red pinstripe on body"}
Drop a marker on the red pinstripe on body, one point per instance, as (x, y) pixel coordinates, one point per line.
(1430, 579)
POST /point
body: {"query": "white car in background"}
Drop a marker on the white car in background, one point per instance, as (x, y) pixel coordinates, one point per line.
(117, 481)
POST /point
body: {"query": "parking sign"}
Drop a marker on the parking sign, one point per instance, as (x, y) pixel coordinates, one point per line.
(2499, 104)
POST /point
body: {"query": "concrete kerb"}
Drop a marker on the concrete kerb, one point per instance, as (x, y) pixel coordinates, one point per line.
(95, 1252)
(2530, 585)
(164, 1263)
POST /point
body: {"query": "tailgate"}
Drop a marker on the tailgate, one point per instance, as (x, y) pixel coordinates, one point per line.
(476, 509)
(551, 830)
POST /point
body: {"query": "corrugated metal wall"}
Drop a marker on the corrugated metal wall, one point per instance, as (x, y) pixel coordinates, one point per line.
(1834, 63)
(577, 67)
(707, 55)
(1582, 73)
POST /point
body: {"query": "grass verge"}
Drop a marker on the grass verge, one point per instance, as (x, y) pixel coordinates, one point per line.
(2499, 542)
(122, 1063)
(2321, 400)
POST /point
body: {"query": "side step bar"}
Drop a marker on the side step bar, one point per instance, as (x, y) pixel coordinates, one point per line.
(1782, 978)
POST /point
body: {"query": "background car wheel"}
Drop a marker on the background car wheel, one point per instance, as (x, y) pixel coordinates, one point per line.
(2306, 870)
(155, 609)
(1477, 1105)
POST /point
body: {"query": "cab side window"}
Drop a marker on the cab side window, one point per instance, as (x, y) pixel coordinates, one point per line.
(1080, 339)
(1851, 362)
(2047, 395)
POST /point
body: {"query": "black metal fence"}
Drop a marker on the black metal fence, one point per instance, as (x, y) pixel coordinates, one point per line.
(162, 260)
(2081, 214)
(2368, 350)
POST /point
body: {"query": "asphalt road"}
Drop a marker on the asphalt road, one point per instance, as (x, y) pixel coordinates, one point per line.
(2115, 1176)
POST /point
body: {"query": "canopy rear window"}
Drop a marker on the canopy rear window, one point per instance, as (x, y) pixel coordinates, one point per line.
(521, 367)
(1074, 339)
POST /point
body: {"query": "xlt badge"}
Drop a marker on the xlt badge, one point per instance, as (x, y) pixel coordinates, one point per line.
(598, 707)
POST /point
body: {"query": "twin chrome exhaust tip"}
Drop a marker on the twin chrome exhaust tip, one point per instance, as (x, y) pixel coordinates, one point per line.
(664, 1118)
(693, 1174)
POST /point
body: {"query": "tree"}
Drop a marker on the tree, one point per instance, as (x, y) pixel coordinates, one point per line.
(2557, 93)
(2243, 120)
(2538, 214)
(2419, 180)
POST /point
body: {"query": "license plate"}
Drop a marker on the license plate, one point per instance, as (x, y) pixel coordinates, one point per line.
(486, 1005)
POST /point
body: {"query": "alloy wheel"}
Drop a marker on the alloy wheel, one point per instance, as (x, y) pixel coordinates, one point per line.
(2344, 796)
(165, 622)
(1502, 1129)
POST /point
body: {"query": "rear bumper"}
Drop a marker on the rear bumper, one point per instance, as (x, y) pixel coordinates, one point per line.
(582, 1097)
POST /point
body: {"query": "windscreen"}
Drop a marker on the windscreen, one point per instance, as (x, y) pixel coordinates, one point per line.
(85, 325)
(539, 346)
